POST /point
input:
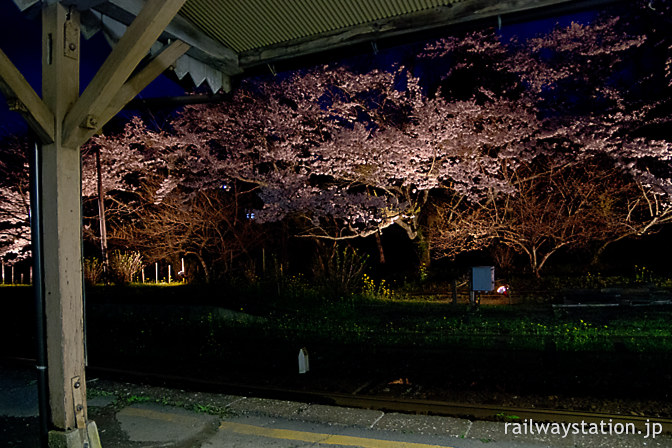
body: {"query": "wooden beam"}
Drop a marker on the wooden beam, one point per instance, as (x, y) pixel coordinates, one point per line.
(143, 78)
(22, 98)
(203, 47)
(115, 71)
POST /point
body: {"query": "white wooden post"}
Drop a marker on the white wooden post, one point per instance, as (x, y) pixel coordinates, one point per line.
(156, 268)
(143, 274)
(169, 274)
(3, 272)
(304, 364)
(61, 208)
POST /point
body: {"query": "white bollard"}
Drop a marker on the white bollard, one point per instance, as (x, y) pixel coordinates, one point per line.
(304, 364)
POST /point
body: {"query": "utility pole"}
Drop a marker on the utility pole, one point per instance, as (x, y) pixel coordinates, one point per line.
(101, 218)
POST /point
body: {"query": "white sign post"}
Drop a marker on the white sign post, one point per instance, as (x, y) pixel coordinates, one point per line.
(482, 279)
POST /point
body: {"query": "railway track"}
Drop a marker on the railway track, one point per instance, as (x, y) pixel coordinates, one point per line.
(388, 404)
(377, 402)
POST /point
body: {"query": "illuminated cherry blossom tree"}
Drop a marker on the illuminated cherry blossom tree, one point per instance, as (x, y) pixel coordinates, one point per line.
(348, 153)
(163, 202)
(15, 227)
(14, 201)
(207, 227)
(609, 174)
(352, 153)
(134, 157)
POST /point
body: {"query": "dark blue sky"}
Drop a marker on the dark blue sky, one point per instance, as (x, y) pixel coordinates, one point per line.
(20, 39)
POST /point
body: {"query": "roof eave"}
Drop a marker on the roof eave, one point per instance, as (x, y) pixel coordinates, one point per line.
(421, 23)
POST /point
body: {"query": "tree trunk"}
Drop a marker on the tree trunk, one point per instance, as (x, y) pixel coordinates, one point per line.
(381, 252)
(534, 263)
(102, 220)
(537, 264)
(206, 271)
(600, 250)
(422, 249)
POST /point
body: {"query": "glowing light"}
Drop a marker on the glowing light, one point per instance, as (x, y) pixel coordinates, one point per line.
(502, 289)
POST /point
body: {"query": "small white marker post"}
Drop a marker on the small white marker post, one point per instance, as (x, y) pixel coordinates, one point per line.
(169, 279)
(304, 364)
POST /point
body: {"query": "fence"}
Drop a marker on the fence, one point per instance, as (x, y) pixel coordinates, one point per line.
(144, 275)
(13, 275)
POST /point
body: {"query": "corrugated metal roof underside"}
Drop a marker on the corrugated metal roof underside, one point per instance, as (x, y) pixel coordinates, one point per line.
(244, 25)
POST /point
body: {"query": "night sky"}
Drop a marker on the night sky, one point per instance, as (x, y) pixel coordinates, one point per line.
(20, 39)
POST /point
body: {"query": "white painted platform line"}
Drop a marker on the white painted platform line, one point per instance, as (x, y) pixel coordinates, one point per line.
(323, 439)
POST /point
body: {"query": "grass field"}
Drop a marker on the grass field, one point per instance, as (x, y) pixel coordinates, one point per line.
(217, 315)
(138, 317)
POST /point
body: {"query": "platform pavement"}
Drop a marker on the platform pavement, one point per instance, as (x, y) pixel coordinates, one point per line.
(136, 416)
(256, 422)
